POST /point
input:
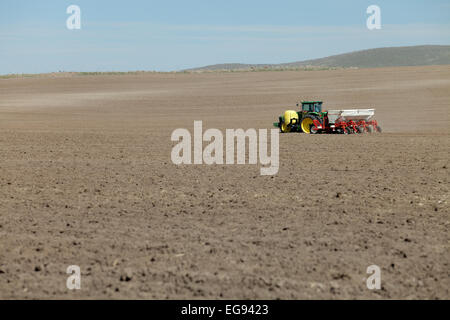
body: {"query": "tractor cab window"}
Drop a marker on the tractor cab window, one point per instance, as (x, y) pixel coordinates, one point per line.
(312, 107)
(317, 107)
(308, 107)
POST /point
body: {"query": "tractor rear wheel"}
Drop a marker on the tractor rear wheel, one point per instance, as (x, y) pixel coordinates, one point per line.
(307, 123)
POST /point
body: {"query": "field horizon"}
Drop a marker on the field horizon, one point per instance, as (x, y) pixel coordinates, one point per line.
(420, 55)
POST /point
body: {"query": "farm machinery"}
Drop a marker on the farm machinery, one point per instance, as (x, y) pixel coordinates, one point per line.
(311, 119)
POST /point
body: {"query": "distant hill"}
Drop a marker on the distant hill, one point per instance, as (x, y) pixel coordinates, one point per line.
(372, 58)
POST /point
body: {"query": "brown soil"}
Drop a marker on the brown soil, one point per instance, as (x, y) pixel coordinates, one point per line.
(86, 179)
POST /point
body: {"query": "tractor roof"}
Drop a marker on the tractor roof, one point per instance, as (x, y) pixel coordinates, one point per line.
(311, 101)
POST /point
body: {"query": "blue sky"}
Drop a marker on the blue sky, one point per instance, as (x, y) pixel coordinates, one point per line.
(173, 35)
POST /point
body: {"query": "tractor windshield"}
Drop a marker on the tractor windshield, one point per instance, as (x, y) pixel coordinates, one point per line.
(312, 107)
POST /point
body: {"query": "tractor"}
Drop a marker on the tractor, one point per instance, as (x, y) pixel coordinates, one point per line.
(311, 119)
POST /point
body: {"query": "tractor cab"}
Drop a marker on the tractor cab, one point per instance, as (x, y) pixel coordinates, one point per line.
(311, 106)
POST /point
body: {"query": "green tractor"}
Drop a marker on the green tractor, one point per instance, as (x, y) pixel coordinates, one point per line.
(303, 120)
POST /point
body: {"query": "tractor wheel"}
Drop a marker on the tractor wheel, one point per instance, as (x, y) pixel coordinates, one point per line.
(307, 123)
(284, 128)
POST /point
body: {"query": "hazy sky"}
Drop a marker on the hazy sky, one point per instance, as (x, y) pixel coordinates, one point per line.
(172, 35)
